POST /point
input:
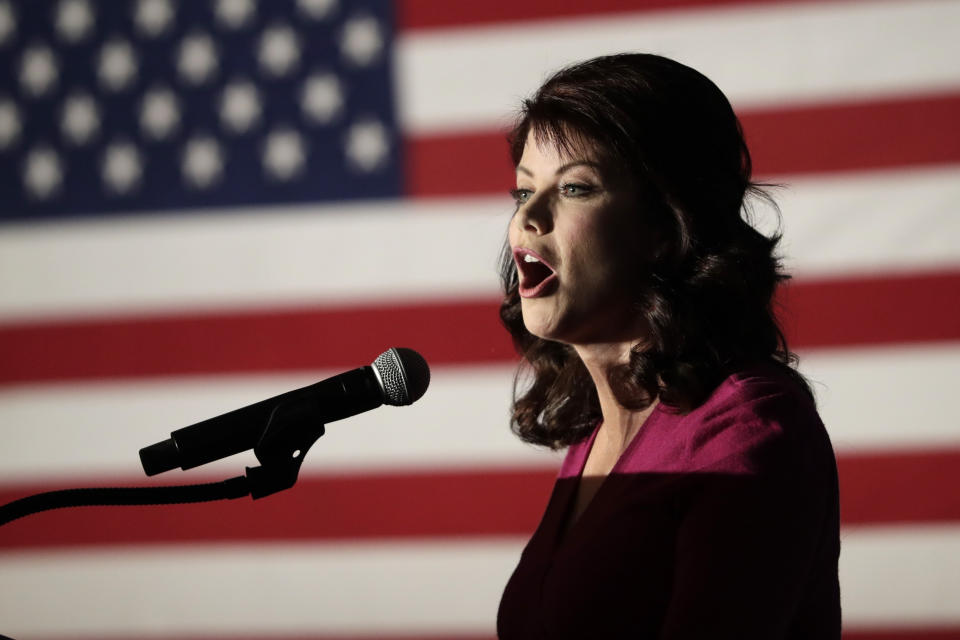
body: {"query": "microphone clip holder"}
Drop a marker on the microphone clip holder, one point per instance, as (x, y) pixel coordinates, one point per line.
(289, 434)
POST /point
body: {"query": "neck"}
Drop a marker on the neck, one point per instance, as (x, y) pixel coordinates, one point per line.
(619, 423)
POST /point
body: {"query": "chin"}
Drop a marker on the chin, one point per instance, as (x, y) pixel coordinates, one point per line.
(538, 326)
(578, 327)
(546, 328)
(538, 330)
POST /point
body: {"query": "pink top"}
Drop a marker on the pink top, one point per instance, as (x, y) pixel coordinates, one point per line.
(722, 523)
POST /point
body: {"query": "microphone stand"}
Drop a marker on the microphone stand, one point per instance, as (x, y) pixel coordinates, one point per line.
(282, 446)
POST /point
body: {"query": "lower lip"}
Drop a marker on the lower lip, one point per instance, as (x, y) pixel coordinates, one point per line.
(544, 287)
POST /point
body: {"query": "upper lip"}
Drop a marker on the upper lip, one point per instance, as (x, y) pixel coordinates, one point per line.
(520, 252)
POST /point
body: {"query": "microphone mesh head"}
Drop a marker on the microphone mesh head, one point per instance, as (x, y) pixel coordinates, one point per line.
(404, 374)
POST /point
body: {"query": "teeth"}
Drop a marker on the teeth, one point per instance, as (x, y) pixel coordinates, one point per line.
(529, 258)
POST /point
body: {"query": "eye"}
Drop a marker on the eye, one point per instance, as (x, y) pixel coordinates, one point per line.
(575, 189)
(520, 196)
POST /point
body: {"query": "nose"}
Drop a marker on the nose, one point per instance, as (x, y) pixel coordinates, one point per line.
(535, 215)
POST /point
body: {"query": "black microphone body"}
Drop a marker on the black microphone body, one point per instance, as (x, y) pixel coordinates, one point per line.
(398, 377)
(335, 398)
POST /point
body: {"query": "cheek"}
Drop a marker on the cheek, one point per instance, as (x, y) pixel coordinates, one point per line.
(605, 256)
(620, 239)
(579, 234)
(588, 246)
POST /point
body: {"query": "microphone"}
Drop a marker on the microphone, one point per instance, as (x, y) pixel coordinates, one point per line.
(397, 377)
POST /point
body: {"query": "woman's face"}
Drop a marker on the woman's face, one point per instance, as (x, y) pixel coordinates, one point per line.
(576, 239)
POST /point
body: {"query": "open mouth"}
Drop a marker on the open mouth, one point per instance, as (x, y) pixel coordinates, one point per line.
(536, 275)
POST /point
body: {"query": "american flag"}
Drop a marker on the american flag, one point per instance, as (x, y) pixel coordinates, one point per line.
(206, 203)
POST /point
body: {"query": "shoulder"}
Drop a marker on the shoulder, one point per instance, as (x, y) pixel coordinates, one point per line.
(755, 421)
(763, 394)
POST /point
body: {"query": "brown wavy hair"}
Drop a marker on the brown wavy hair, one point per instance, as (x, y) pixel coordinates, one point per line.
(706, 296)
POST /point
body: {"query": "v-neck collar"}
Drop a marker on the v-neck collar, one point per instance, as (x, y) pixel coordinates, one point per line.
(564, 530)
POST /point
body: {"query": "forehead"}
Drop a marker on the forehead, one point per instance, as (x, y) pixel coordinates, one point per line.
(542, 152)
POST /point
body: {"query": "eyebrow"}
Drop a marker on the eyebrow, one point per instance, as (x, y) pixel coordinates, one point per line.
(562, 168)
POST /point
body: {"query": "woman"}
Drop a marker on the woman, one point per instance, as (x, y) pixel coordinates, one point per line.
(698, 497)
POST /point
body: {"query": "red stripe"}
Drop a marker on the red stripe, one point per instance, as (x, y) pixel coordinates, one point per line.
(900, 487)
(458, 164)
(857, 135)
(382, 505)
(430, 14)
(829, 313)
(874, 489)
(909, 131)
(284, 339)
(872, 310)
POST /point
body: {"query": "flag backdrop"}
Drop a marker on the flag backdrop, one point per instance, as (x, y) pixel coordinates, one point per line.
(203, 204)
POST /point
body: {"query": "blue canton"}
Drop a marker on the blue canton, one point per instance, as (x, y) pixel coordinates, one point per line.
(121, 106)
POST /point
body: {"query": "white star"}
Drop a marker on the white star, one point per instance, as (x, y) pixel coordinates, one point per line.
(74, 20)
(80, 118)
(153, 17)
(8, 22)
(279, 50)
(316, 9)
(239, 106)
(367, 145)
(284, 154)
(321, 97)
(9, 123)
(197, 58)
(202, 163)
(121, 168)
(234, 14)
(38, 70)
(117, 65)
(159, 113)
(361, 41)
(42, 173)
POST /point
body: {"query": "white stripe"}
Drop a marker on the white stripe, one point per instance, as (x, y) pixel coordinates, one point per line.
(369, 253)
(299, 254)
(265, 589)
(758, 55)
(70, 431)
(895, 576)
(93, 429)
(871, 222)
(886, 398)
(900, 576)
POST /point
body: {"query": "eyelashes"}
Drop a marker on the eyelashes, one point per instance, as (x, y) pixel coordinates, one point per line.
(567, 190)
(520, 196)
(576, 189)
